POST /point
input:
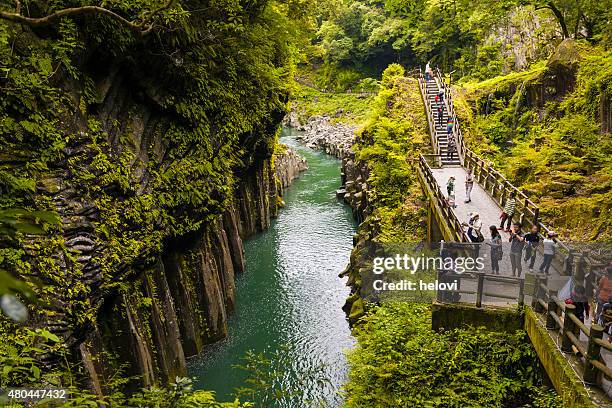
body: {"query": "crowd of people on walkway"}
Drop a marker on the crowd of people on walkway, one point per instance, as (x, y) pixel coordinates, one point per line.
(523, 247)
(594, 304)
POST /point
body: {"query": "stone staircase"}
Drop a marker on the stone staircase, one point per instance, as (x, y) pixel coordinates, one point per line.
(432, 89)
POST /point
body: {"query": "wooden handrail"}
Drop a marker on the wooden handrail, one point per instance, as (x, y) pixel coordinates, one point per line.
(561, 319)
(495, 183)
(448, 213)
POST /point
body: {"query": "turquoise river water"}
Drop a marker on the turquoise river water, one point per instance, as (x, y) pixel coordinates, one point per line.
(288, 301)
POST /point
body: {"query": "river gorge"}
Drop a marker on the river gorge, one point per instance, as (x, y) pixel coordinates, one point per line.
(289, 298)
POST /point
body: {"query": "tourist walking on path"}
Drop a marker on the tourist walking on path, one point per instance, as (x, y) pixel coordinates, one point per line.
(550, 248)
(440, 114)
(532, 239)
(579, 299)
(496, 249)
(508, 212)
(449, 126)
(604, 293)
(469, 184)
(474, 225)
(450, 189)
(428, 72)
(516, 249)
(450, 151)
(450, 185)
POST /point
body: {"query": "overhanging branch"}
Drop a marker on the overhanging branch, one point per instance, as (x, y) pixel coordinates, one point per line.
(143, 27)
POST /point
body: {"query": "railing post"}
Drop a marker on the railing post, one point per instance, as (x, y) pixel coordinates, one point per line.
(551, 323)
(524, 213)
(479, 290)
(539, 293)
(439, 293)
(536, 216)
(568, 327)
(535, 295)
(521, 296)
(591, 373)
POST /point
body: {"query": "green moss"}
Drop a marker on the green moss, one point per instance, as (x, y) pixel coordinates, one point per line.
(392, 137)
(400, 361)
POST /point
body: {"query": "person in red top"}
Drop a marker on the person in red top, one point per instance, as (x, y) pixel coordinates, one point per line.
(604, 290)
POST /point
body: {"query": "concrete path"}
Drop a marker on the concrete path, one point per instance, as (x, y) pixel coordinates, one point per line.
(481, 202)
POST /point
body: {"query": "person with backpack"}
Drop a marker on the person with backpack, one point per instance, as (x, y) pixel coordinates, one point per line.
(452, 147)
(508, 212)
(469, 184)
(496, 249)
(450, 185)
(605, 319)
(579, 299)
(474, 225)
(516, 249)
(440, 111)
(532, 239)
(450, 189)
(449, 126)
(550, 248)
(604, 291)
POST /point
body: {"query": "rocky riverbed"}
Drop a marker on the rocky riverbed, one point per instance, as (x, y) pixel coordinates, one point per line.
(320, 133)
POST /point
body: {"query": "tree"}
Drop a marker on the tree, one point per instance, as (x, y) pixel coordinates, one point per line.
(144, 23)
(577, 18)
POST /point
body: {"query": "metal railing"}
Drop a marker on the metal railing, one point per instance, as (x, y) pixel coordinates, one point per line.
(562, 321)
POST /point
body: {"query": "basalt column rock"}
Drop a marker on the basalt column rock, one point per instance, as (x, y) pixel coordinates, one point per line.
(182, 301)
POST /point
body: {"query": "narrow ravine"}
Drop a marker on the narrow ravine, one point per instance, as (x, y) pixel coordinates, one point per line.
(290, 296)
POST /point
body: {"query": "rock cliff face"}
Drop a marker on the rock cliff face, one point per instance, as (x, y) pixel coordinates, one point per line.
(288, 165)
(333, 138)
(129, 290)
(190, 289)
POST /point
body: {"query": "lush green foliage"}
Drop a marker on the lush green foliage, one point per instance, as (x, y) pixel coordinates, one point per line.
(389, 142)
(400, 361)
(479, 39)
(148, 133)
(343, 107)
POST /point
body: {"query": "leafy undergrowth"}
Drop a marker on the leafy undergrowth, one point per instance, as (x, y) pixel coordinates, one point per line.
(396, 131)
(401, 362)
(342, 107)
(543, 128)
